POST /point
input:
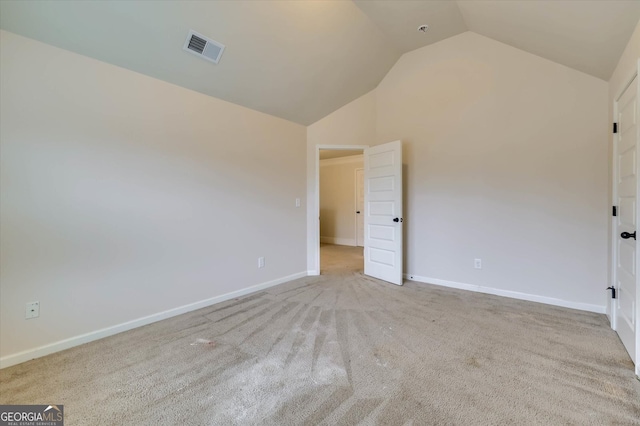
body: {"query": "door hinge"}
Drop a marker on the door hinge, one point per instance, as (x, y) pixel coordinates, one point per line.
(613, 292)
(615, 127)
(615, 211)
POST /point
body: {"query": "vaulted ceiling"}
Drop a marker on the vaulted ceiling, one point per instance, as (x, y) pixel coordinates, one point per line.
(301, 60)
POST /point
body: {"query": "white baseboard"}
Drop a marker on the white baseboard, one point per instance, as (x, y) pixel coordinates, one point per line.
(338, 241)
(511, 294)
(61, 345)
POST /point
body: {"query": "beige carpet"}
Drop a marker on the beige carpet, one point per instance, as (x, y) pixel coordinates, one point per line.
(343, 349)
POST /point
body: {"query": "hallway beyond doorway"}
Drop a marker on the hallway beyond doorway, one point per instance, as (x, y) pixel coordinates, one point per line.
(340, 260)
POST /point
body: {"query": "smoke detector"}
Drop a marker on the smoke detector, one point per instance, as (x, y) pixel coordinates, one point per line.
(423, 28)
(203, 47)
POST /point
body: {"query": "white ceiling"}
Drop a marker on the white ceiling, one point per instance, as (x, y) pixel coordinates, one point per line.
(301, 60)
(585, 35)
(400, 20)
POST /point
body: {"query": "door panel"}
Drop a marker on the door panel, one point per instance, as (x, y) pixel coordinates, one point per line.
(382, 232)
(627, 259)
(382, 208)
(626, 195)
(627, 165)
(383, 212)
(627, 213)
(381, 184)
(382, 257)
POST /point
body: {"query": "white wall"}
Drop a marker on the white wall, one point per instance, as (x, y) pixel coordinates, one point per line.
(338, 199)
(505, 160)
(124, 196)
(352, 125)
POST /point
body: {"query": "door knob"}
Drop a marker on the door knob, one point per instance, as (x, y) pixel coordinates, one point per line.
(358, 212)
(395, 219)
(627, 235)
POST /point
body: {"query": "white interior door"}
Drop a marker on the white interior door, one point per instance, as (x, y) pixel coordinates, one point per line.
(383, 212)
(625, 223)
(360, 207)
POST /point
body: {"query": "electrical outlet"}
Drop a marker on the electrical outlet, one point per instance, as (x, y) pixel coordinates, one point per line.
(32, 310)
(477, 263)
(297, 202)
(261, 262)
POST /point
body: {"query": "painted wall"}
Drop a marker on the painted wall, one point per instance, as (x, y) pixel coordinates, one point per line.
(338, 199)
(505, 160)
(353, 124)
(124, 196)
(626, 68)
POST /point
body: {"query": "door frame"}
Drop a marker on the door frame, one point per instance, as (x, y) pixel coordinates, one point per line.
(313, 225)
(355, 192)
(614, 230)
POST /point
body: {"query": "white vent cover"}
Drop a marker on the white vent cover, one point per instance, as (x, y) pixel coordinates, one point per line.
(203, 46)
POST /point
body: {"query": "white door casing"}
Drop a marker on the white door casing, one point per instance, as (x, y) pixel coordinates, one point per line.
(360, 207)
(383, 212)
(625, 192)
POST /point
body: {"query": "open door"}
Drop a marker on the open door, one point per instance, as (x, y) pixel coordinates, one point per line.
(383, 212)
(625, 225)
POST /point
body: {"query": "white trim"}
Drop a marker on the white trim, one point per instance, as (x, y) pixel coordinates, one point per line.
(601, 309)
(637, 221)
(613, 254)
(338, 241)
(71, 342)
(355, 214)
(342, 160)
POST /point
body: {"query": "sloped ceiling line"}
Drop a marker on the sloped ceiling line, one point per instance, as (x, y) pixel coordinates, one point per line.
(301, 60)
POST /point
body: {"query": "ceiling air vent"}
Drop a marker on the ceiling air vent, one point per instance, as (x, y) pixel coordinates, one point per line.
(203, 46)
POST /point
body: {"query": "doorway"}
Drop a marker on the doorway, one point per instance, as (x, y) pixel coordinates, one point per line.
(383, 222)
(341, 210)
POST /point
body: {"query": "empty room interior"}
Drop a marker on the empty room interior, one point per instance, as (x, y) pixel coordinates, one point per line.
(320, 212)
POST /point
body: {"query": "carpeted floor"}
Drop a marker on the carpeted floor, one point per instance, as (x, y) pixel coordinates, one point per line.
(344, 349)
